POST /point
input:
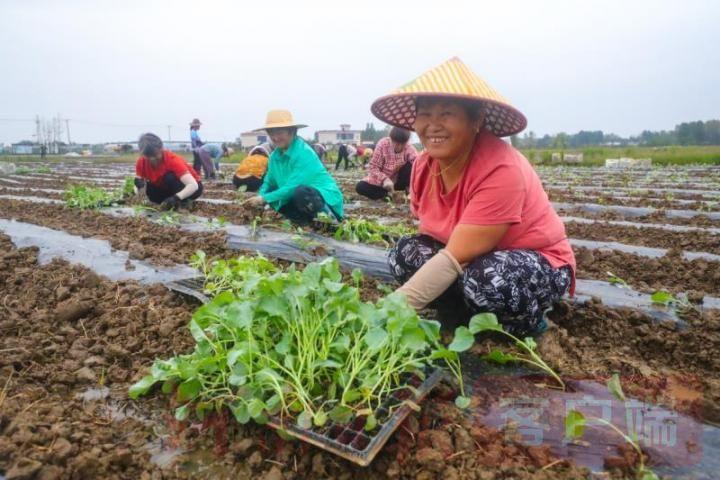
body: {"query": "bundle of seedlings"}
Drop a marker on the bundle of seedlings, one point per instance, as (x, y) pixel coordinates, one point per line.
(298, 346)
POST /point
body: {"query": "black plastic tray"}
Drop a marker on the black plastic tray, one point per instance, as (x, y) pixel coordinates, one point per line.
(351, 441)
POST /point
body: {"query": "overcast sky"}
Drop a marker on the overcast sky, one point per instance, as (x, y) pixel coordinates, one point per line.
(117, 68)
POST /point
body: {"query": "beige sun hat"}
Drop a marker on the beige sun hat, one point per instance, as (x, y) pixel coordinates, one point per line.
(279, 119)
(452, 79)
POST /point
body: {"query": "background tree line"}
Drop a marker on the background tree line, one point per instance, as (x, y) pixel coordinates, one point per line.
(689, 133)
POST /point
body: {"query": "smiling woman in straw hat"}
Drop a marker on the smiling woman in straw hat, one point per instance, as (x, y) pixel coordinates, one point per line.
(296, 184)
(489, 239)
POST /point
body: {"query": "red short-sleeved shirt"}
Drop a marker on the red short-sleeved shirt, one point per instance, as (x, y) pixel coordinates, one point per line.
(171, 162)
(499, 186)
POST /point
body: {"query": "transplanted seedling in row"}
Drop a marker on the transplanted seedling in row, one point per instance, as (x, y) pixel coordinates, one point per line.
(169, 218)
(487, 322)
(217, 222)
(362, 230)
(615, 280)
(298, 345)
(667, 299)
(575, 423)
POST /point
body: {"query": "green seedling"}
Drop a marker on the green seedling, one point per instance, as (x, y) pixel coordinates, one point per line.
(487, 322)
(575, 423)
(303, 242)
(43, 170)
(83, 197)
(23, 171)
(295, 344)
(169, 218)
(615, 280)
(218, 222)
(128, 188)
(360, 230)
(667, 299)
(139, 210)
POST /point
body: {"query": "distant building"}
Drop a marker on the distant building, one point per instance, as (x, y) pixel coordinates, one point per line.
(24, 148)
(344, 135)
(253, 139)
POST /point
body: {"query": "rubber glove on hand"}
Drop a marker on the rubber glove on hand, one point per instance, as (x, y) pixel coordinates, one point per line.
(170, 203)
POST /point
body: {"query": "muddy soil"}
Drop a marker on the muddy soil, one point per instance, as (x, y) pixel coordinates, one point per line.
(31, 193)
(649, 237)
(143, 239)
(68, 335)
(671, 272)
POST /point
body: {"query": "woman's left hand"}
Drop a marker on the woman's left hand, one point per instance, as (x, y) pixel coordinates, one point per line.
(256, 201)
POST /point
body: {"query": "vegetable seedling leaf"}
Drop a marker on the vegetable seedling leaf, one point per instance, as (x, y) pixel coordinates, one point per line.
(320, 418)
(305, 420)
(188, 390)
(483, 322)
(141, 386)
(498, 356)
(462, 402)
(375, 338)
(662, 298)
(574, 424)
(181, 413)
(340, 414)
(370, 423)
(462, 341)
(615, 387)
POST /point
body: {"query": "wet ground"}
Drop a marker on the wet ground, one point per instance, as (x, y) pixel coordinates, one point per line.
(73, 341)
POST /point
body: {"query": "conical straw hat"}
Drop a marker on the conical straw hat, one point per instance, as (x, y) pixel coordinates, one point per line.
(279, 119)
(452, 79)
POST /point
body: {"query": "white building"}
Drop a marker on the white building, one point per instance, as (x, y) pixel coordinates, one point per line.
(333, 137)
(252, 139)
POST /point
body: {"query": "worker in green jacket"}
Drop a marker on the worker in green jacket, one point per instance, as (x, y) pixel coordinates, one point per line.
(296, 184)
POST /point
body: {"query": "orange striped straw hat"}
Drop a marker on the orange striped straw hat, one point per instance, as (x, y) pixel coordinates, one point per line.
(452, 79)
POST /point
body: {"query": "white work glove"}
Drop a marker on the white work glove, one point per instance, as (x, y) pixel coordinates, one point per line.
(431, 280)
(388, 185)
(256, 201)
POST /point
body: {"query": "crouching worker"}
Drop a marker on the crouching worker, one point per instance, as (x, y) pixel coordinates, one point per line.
(390, 167)
(251, 170)
(296, 184)
(490, 240)
(166, 178)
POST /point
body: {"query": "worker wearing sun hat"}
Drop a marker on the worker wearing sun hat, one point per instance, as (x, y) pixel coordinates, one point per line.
(489, 238)
(296, 184)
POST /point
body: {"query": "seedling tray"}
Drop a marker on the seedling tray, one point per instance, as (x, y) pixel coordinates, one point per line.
(351, 441)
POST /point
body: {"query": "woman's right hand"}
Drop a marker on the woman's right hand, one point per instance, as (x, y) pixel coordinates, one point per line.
(388, 185)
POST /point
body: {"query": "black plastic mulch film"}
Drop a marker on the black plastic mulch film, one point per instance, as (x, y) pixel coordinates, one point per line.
(349, 441)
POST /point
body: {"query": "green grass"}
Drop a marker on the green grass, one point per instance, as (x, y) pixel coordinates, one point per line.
(675, 155)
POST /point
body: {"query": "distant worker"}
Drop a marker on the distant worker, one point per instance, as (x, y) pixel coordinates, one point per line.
(390, 167)
(346, 152)
(199, 163)
(297, 184)
(251, 170)
(320, 151)
(165, 176)
(43, 151)
(211, 153)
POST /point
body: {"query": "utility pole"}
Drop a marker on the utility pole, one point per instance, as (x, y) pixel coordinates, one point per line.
(38, 137)
(67, 127)
(169, 136)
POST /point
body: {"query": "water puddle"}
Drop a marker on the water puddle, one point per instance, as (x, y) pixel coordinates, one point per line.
(94, 254)
(506, 398)
(31, 199)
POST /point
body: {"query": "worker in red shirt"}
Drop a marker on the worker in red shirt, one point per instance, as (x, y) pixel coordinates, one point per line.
(165, 176)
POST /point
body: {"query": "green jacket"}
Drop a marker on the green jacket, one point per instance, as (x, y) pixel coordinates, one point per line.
(298, 165)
